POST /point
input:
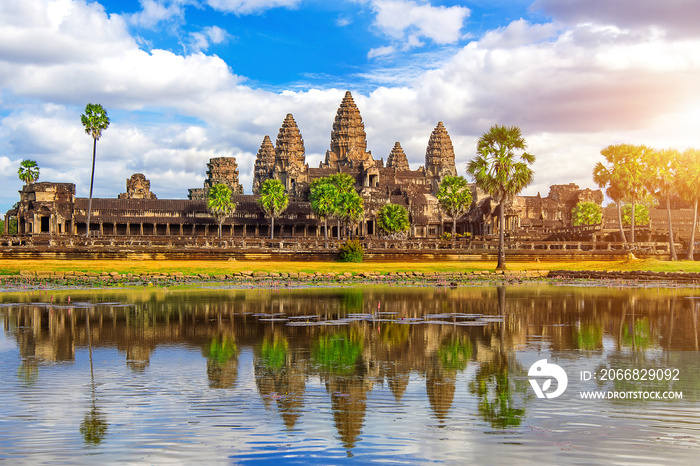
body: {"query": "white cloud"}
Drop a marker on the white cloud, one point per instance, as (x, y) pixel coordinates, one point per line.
(200, 41)
(154, 12)
(381, 51)
(242, 7)
(408, 21)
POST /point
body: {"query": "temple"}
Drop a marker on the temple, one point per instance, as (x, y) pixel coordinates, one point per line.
(53, 208)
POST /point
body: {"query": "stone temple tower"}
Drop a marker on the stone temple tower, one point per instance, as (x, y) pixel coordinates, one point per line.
(221, 170)
(397, 158)
(440, 155)
(348, 138)
(264, 164)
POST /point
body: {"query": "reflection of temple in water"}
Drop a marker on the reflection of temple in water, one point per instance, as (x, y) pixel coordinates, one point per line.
(352, 358)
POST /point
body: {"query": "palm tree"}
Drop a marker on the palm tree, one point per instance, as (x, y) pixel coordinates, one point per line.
(273, 201)
(605, 177)
(322, 199)
(95, 120)
(628, 171)
(455, 198)
(393, 219)
(343, 184)
(501, 172)
(28, 171)
(688, 174)
(660, 169)
(219, 203)
(350, 209)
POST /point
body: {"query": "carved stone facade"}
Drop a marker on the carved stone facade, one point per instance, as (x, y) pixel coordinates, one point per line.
(221, 170)
(137, 187)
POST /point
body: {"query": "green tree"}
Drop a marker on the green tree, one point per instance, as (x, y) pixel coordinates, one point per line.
(322, 199)
(273, 201)
(393, 219)
(350, 209)
(455, 198)
(610, 180)
(627, 172)
(28, 171)
(586, 213)
(640, 216)
(660, 166)
(219, 203)
(343, 202)
(502, 169)
(687, 176)
(95, 121)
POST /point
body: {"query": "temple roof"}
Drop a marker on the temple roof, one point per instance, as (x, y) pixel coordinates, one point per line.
(440, 153)
(289, 146)
(397, 158)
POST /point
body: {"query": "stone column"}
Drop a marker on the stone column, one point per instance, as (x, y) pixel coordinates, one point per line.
(141, 229)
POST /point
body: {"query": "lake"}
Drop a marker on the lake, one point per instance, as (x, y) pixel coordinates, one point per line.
(492, 374)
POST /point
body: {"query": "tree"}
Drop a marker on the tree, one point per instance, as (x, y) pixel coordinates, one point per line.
(343, 184)
(586, 213)
(393, 219)
(273, 201)
(660, 167)
(350, 209)
(455, 198)
(28, 171)
(219, 203)
(687, 176)
(322, 197)
(640, 216)
(501, 168)
(95, 121)
(626, 171)
(606, 177)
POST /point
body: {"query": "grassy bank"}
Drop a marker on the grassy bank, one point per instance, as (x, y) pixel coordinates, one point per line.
(13, 267)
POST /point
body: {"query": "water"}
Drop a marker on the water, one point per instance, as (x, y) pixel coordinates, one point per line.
(401, 375)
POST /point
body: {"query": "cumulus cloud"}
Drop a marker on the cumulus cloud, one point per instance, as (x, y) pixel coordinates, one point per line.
(242, 7)
(154, 12)
(675, 17)
(409, 21)
(200, 41)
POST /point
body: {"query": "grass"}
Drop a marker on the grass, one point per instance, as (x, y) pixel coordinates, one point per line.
(13, 266)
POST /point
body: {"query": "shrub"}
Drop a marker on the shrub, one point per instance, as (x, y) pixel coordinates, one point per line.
(351, 251)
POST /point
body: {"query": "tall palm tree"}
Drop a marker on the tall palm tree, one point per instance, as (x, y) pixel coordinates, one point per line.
(273, 201)
(95, 121)
(28, 171)
(660, 169)
(350, 209)
(219, 203)
(455, 198)
(343, 185)
(606, 178)
(688, 174)
(322, 197)
(502, 169)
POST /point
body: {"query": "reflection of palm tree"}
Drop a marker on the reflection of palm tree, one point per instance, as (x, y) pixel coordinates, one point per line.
(338, 353)
(280, 377)
(222, 362)
(493, 388)
(455, 353)
(94, 426)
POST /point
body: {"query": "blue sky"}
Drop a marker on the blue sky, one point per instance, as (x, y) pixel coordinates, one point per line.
(188, 80)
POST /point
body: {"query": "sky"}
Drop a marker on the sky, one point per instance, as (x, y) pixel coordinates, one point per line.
(187, 80)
